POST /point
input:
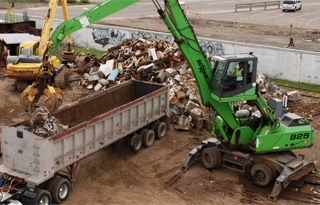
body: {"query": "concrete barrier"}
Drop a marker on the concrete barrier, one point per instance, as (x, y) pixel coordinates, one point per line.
(257, 4)
(281, 63)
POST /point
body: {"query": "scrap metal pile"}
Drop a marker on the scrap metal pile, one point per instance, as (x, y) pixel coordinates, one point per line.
(43, 123)
(152, 61)
(160, 62)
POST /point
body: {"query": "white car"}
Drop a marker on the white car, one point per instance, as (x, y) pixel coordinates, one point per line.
(291, 5)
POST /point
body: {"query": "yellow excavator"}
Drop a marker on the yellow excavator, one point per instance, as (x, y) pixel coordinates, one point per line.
(44, 90)
(25, 67)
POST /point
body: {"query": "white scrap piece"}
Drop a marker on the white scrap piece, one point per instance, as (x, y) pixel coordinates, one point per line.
(152, 54)
(107, 68)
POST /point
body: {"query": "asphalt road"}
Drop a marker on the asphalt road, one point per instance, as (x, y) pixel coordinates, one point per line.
(223, 10)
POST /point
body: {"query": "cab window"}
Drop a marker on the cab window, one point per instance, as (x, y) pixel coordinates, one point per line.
(26, 51)
(35, 47)
(249, 72)
(217, 73)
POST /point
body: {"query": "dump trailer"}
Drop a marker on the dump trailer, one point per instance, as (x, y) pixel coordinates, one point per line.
(40, 170)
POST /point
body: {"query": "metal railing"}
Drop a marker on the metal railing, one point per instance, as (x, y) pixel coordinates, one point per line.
(258, 4)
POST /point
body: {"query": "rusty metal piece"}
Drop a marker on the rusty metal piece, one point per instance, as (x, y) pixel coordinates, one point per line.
(81, 60)
(3, 54)
(69, 55)
(20, 27)
(60, 80)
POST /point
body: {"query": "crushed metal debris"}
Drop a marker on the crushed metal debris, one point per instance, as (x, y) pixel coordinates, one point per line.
(160, 62)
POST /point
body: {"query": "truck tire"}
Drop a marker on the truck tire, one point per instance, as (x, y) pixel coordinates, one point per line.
(51, 183)
(135, 143)
(148, 138)
(160, 130)
(152, 126)
(141, 131)
(211, 158)
(261, 174)
(43, 197)
(60, 190)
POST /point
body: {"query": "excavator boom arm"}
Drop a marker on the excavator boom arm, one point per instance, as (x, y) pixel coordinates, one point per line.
(47, 27)
(185, 38)
(92, 15)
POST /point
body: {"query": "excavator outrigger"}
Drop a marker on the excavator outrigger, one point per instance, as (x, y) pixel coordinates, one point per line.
(44, 90)
(244, 139)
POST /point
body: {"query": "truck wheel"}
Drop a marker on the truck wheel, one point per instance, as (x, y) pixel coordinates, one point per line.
(51, 183)
(261, 174)
(160, 130)
(135, 143)
(148, 138)
(43, 197)
(152, 126)
(141, 131)
(211, 158)
(60, 190)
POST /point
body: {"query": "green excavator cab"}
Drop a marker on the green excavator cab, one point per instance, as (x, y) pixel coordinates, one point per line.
(234, 75)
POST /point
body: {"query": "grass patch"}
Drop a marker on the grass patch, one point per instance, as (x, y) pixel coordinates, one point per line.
(78, 50)
(296, 84)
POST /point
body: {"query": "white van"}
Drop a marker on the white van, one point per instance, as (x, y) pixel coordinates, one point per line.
(291, 5)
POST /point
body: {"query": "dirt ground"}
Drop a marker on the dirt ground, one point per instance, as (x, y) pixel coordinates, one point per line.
(154, 175)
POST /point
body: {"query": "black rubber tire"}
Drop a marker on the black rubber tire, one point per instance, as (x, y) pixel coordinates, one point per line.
(300, 7)
(51, 183)
(261, 174)
(160, 130)
(211, 158)
(283, 10)
(152, 126)
(135, 143)
(61, 190)
(43, 197)
(141, 131)
(148, 138)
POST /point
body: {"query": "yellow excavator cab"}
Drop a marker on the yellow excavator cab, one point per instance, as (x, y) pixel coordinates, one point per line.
(28, 48)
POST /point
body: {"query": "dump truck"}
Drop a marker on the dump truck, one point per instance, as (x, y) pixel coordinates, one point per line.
(33, 170)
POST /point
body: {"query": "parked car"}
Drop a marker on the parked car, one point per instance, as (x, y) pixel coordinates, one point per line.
(291, 5)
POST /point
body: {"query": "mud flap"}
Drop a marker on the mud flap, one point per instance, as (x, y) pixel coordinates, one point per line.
(293, 169)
